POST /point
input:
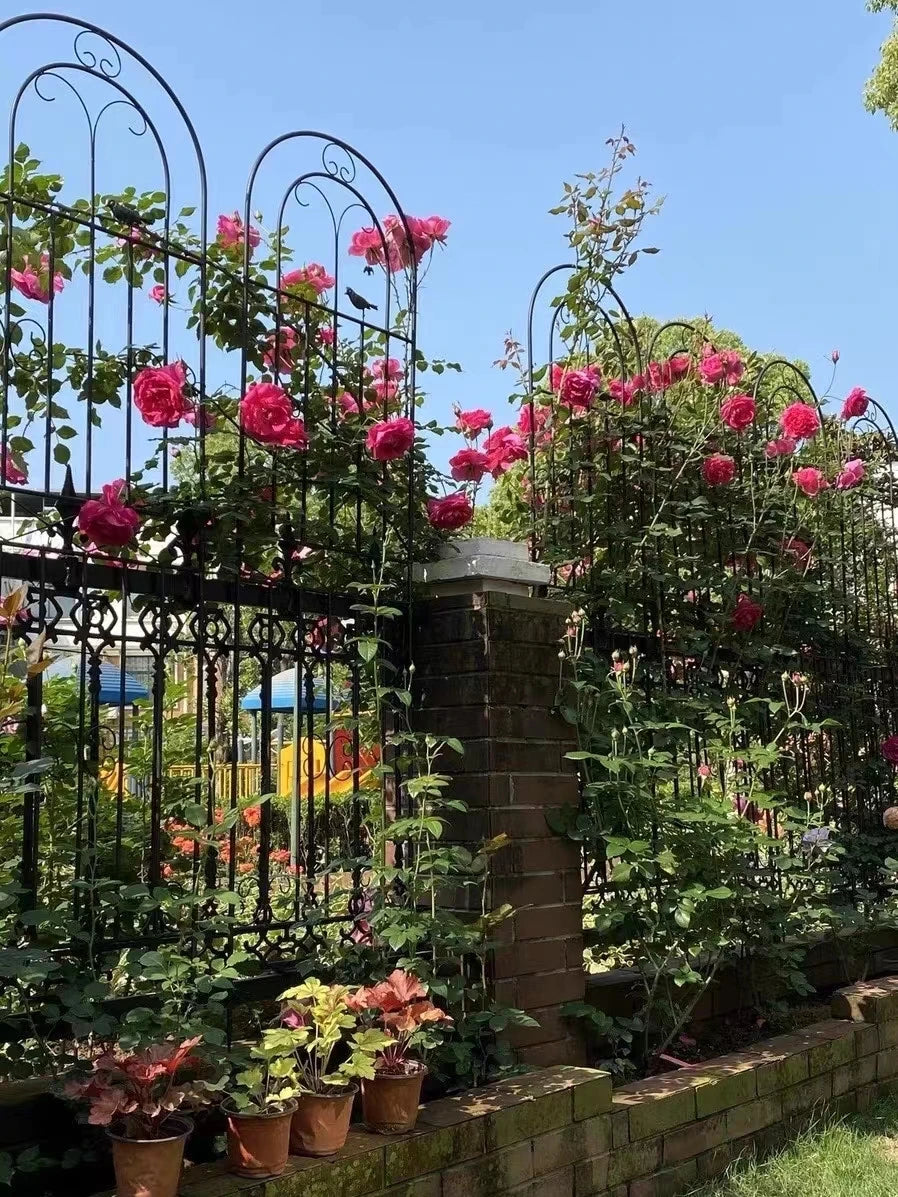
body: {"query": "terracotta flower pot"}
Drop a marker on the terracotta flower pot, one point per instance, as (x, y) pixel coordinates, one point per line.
(390, 1101)
(321, 1122)
(258, 1140)
(150, 1167)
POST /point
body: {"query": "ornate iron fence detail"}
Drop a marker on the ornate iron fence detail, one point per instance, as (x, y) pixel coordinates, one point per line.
(191, 517)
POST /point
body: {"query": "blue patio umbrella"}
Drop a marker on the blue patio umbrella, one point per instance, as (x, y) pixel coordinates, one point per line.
(111, 677)
(283, 694)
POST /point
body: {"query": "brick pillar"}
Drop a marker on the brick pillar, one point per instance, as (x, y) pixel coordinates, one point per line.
(487, 665)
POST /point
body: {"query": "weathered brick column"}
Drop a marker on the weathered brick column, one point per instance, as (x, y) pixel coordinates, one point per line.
(486, 656)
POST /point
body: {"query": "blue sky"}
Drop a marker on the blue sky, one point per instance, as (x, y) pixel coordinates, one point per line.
(780, 219)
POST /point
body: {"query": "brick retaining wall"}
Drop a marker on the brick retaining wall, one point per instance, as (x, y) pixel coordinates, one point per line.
(560, 1132)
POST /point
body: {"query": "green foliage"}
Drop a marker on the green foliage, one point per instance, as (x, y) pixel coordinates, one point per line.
(881, 90)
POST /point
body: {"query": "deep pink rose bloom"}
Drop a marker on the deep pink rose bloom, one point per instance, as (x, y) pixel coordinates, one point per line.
(287, 339)
(468, 465)
(783, 446)
(473, 422)
(889, 749)
(390, 439)
(718, 469)
(437, 227)
(367, 243)
(314, 275)
(680, 365)
(800, 421)
(387, 368)
(266, 414)
(738, 412)
(108, 522)
(578, 387)
(855, 405)
(325, 336)
(503, 448)
(384, 389)
(230, 232)
(10, 472)
(623, 391)
(746, 614)
(348, 404)
(851, 474)
(810, 480)
(451, 512)
(659, 376)
(159, 395)
(724, 365)
(534, 423)
(157, 293)
(34, 285)
(798, 550)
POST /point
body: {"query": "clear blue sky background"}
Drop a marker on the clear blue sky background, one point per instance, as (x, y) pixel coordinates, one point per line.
(781, 218)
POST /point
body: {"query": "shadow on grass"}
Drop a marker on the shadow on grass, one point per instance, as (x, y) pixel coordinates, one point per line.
(854, 1157)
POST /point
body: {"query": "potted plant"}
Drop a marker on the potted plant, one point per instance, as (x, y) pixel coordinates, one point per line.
(260, 1105)
(135, 1096)
(390, 1098)
(318, 1018)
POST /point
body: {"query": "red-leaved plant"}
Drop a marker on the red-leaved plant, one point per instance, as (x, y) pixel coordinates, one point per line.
(401, 1006)
(140, 1090)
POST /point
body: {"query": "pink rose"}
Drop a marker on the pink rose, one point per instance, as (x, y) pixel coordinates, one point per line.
(390, 439)
(34, 285)
(451, 512)
(851, 474)
(783, 446)
(157, 294)
(800, 421)
(680, 365)
(889, 749)
(855, 405)
(738, 412)
(325, 336)
(287, 342)
(533, 423)
(468, 465)
(724, 365)
(10, 472)
(623, 392)
(313, 275)
(108, 522)
(159, 395)
(718, 469)
(503, 448)
(387, 369)
(436, 228)
(659, 376)
(472, 423)
(578, 387)
(704, 771)
(231, 232)
(266, 414)
(384, 389)
(349, 405)
(810, 480)
(136, 239)
(746, 614)
(367, 243)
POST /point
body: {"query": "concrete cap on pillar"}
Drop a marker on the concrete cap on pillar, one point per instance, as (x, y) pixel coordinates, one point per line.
(483, 563)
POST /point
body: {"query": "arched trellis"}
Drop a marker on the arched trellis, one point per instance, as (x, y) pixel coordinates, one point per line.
(251, 545)
(657, 558)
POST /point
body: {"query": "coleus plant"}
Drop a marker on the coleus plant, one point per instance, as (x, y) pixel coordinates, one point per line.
(408, 1019)
(140, 1090)
(316, 1019)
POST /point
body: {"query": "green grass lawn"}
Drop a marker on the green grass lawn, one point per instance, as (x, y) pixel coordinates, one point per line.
(854, 1158)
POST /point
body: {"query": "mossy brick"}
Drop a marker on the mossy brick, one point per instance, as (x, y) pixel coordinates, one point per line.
(854, 1075)
(620, 1128)
(867, 1001)
(554, 1184)
(431, 1150)
(494, 1173)
(729, 1081)
(636, 1159)
(714, 1162)
(887, 1064)
(592, 1095)
(886, 1035)
(691, 1141)
(667, 1183)
(570, 1144)
(591, 1176)
(866, 1097)
(753, 1116)
(841, 1107)
(359, 1173)
(527, 1118)
(804, 1097)
(836, 1046)
(422, 1186)
(657, 1104)
(867, 1037)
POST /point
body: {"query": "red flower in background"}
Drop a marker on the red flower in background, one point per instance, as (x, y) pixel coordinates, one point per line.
(810, 480)
(719, 469)
(503, 448)
(451, 512)
(738, 412)
(746, 614)
(468, 465)
(159, 394)
(472, 423)
(108, 522)
(855, 404)
(390, 439)
(801, 421)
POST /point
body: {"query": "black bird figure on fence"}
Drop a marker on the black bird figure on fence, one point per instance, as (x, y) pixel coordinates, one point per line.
(359, 301)
(126, 214)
